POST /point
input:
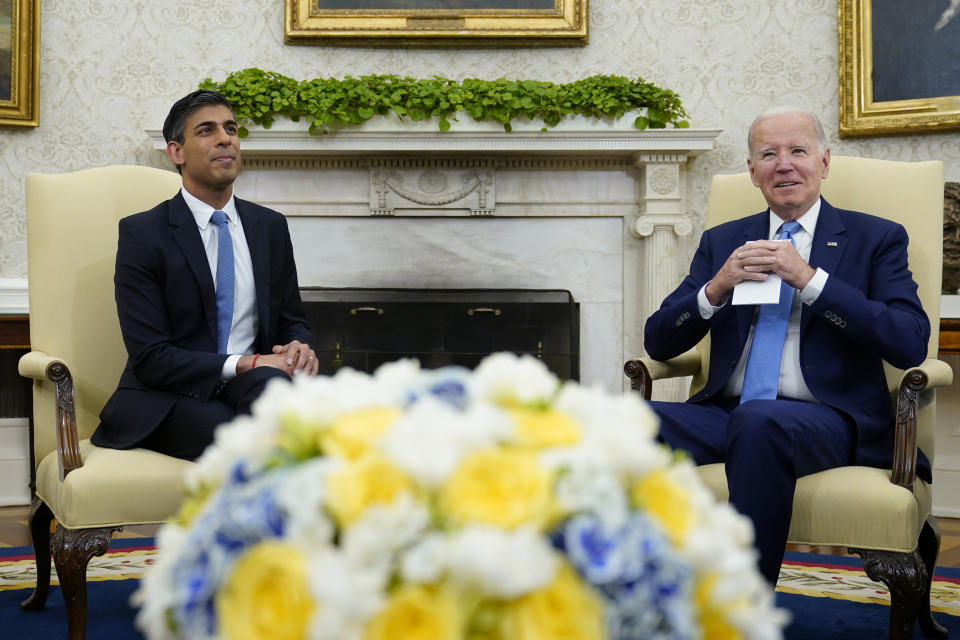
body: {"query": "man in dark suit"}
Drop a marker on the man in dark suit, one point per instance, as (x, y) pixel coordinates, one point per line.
(850, 303)
(202, 342)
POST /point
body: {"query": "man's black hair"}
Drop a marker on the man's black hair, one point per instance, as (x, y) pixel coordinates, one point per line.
(176, 122)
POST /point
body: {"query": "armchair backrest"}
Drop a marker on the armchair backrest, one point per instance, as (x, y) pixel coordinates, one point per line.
(910, 193)
(71, 249)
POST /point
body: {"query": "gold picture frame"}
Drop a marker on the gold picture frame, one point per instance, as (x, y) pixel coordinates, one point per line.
(19, 62)
(870, 104)
(436, 23)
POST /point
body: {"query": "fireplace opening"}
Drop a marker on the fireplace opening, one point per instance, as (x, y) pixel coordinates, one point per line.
(363, 328)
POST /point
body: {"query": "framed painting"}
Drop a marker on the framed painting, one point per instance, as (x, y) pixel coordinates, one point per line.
(436, 23)
(19, 61)
(899, 66)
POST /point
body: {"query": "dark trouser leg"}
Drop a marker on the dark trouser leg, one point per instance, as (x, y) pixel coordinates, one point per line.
(766, 445)
(771, 443)
(240, 393)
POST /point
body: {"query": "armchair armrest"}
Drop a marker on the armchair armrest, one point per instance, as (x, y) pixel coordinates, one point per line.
(931, 373)
(643, 371)
(40, 366)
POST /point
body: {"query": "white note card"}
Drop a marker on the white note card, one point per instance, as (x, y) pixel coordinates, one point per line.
(757, 292)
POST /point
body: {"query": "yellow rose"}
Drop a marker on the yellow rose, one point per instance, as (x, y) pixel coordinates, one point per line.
(501, 487)
(544, 427)
(711, 615)
(266, 595)
(352, 434)
(566, 609)
(359, 484)
(667, 502)
(416, 612)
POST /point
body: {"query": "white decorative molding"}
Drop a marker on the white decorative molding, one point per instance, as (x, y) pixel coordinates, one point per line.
(576, 136)
(13, 296)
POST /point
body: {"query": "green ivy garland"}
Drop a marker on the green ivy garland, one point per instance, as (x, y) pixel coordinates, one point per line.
(261, 96)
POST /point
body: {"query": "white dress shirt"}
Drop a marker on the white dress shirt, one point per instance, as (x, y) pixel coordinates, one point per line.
(243, 331)
(791, 382)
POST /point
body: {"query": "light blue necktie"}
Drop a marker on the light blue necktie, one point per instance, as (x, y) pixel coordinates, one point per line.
(762, 377)
(225, 279)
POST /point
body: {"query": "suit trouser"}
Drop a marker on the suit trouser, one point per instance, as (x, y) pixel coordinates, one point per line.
(765, 445)
(188, 428)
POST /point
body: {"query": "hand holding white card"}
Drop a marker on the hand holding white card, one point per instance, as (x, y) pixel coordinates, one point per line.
(756, 291)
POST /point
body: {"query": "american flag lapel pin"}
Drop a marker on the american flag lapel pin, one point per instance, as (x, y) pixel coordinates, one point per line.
(831, 244)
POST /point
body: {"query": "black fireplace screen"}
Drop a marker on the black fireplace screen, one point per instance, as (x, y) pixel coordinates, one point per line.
(363, 328)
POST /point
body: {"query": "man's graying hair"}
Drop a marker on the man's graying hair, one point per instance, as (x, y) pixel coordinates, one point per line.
(176, 122)
(777, 111)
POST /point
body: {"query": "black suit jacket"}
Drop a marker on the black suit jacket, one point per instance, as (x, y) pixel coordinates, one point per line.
(166, 303)
(867, 312)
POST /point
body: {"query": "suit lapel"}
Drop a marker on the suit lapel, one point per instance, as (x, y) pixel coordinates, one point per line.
(255, 234)
(187, 237)
(829, 242)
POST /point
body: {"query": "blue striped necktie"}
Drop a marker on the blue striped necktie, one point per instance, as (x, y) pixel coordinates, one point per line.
(762, 377)
(225, 279)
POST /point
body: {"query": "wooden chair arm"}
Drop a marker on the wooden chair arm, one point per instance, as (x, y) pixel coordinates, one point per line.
(40, 366)
(643, 371)
(931, 373)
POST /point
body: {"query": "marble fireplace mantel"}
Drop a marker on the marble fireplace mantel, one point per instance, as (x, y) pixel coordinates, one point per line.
(589, 206)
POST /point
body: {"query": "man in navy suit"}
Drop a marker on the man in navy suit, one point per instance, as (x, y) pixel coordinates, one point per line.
(853, 304)
(178, 385)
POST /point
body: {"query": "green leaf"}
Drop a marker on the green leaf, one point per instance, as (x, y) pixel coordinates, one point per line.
(261, 96)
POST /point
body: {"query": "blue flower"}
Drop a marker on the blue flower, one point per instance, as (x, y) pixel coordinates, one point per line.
(647, 586)
(239, 516)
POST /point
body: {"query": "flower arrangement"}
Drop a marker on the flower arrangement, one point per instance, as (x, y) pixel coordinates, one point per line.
(497, 504)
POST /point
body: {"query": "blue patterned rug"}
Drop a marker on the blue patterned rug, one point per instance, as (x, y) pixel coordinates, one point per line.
(828, 596)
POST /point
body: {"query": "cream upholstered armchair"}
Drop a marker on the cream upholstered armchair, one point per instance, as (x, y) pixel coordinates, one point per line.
(76, 359)
(882, 515)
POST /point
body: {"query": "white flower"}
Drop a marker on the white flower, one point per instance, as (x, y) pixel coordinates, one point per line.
(371, 544)
(616, 429)
(585, 484)
(427, 560)
(499, 563)
(452, 434)
(245, 438)
(302, 497)
(506, 379)
(346, 598)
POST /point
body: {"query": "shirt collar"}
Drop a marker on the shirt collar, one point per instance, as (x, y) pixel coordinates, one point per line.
(202, 211)
(808, 221)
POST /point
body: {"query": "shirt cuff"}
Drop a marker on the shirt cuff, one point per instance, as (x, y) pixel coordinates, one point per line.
(230, 367)
(706, 309)
(810, 293)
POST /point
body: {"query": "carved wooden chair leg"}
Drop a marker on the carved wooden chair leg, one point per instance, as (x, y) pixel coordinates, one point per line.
(929, 548)
(40, 519)
(72, 550)
(904, 574)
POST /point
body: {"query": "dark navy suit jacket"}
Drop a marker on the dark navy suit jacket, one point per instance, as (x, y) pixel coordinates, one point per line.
(167, 307)
(868, 312)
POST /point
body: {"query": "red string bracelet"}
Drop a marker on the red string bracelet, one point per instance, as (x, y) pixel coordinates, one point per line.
(254, 365)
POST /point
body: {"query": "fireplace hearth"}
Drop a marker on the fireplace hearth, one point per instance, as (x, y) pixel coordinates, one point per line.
(363, 328)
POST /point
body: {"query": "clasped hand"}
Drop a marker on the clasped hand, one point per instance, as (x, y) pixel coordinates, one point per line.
(292, 357)
(754, 261)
